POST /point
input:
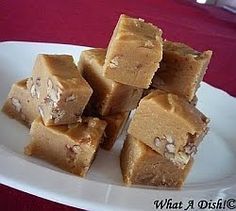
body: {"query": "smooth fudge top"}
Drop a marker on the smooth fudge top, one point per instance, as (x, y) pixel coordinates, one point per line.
(172, 103)
(95, 55)
(63, 68)
(184, 50)
(128, 27)
(85, 131)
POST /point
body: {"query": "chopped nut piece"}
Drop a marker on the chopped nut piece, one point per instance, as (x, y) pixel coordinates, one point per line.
(171, 118)
(190, 149)
(20, 105)
(70, 98)
(72, 149)
(157, 142)
(169, 155)
(148, 44)
(181, 159)
(57, 114)
(17, 104)
(62, 89)
(114, 62)
(141, 165)
(169, 139)
(133, 40)
(41, 111)
(107, 94)
(170, 148)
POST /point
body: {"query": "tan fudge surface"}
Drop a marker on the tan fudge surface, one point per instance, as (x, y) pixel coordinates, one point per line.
(115, 125)
(181, 70)
(134, 52)
(141, 165)
(60, 89)
(20, 105)
(70, 147)
(109, 97)
(151, 89)
(169, 125)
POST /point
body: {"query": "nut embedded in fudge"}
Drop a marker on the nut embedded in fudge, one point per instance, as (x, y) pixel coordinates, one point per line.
(140, 165)
(134, 52)
(70, 147)
(20, 105)
(181, 69)
(170, 125)
(109, 97)
(62, 93)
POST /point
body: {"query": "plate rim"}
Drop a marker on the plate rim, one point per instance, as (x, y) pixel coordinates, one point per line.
(82, 204)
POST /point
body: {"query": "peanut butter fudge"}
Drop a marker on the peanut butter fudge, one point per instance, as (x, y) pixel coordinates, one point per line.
(151, 89)
(140, 165)
(109, 97)
(115, 125)
(181, 70)
(134, 52)
(20, 105)
(61, 91)
(169, 125)
(71, 147)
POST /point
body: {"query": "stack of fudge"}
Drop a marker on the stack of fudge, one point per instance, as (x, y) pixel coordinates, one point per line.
(73, 110)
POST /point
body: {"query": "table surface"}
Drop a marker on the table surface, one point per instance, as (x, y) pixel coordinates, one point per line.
(90, 23)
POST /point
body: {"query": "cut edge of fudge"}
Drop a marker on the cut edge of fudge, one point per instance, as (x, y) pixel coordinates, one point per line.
(18, 109)
(107, 94)
(60, 89)
(140, 165)
(146, 42)
(177, 147)
(169, 75)
(69, 147)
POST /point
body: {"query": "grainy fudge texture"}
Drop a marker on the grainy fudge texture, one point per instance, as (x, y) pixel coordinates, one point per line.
(70, 147)
(170, 125)
(140, 165)
(115, 125)
(134, 52)
(181, 70)
(20, 105)
(151, 89)
(109, 97)
(62, 93)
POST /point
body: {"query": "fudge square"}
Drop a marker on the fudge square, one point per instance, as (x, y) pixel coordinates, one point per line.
(140, 165)
(70, 147)
(115, 125)
(109, 97)
(181, 70)
(20, 105)
(134, 52)
(170, 125)
(61, 91)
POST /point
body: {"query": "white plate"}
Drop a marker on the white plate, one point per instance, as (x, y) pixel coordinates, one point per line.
(213, 175)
